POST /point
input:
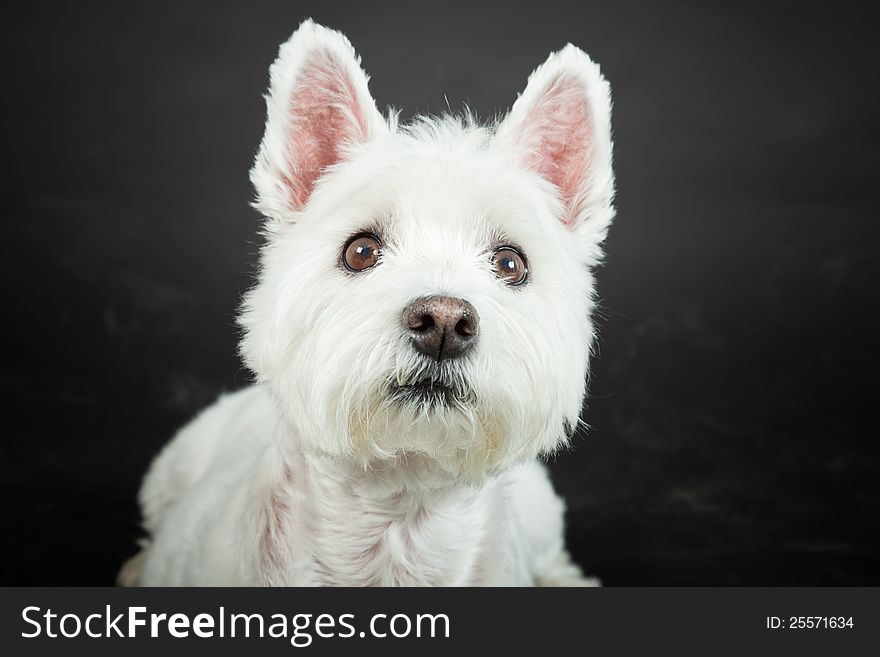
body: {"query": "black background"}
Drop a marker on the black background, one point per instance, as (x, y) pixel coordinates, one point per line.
(732, 399)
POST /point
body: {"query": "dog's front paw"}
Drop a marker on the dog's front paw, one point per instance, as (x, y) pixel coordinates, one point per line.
(130, 573)
(567, 580)
(562, 571)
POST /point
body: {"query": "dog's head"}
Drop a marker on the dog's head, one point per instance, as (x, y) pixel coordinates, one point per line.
(427, 289)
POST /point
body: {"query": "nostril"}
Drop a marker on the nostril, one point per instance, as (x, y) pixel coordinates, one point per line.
(421, 323)
(465, 328)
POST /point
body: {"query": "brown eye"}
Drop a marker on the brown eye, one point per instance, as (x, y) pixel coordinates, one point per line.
(361, 252)
(510, 266)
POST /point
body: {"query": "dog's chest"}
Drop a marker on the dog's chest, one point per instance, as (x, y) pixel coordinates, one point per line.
(414, 550)
(458, 538)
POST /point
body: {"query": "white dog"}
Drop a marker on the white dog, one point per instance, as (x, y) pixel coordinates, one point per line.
(420, 333)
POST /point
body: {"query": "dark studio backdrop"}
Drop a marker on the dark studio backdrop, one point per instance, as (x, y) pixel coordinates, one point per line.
(733, 397)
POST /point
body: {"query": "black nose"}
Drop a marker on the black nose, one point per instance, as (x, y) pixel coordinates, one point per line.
(442, 327)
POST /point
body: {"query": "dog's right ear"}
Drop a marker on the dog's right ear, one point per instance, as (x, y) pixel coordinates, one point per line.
(318, 104)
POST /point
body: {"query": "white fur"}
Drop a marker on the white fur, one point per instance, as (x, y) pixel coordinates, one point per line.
(314, 476)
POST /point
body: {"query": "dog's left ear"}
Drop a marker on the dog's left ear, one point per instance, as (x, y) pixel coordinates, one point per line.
(560, 127)
(318, 105)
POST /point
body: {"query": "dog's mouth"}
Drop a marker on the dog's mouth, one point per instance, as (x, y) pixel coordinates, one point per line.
(430, 393)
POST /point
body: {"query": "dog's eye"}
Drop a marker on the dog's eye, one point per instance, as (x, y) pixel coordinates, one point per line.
(510, 265)
(361, 252)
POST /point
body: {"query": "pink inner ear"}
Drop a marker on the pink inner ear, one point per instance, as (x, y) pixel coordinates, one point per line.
(558, 133)
(325, 114)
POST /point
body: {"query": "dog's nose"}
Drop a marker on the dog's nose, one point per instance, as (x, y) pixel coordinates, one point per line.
(442, 327)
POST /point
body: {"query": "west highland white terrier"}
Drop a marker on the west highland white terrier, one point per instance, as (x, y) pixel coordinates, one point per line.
(419, 333)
